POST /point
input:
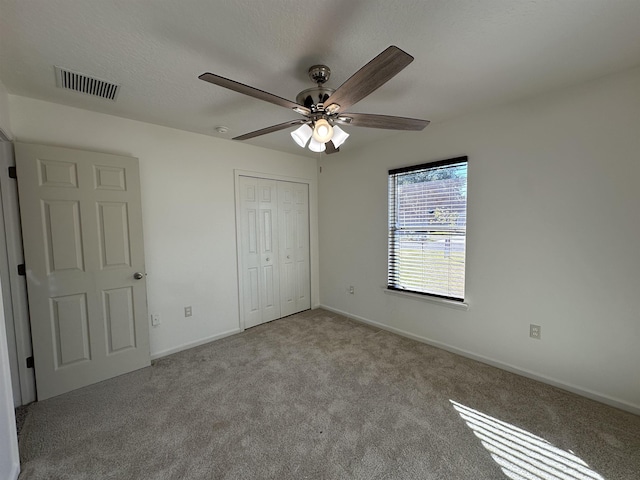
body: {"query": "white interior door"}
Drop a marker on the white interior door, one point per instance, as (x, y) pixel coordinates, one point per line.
(259, 254)
(82, 232)
(293, 234)
(274, 249)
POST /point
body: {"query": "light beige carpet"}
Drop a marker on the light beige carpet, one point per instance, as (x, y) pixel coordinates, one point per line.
(319, 396)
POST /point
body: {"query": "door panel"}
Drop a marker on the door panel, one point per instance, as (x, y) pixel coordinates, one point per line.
(82, 228)
(269, 287)
(287, 284)
(113, 224)
(303, 278)
(293, 200)
(62, 236)
(119, 318)
(109, 177)
(57, 174)
(249, 257)
(268, 250)
(71, 329)
(254, 290)
(287, 240)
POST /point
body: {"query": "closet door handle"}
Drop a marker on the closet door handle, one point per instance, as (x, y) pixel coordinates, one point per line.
(267, 259)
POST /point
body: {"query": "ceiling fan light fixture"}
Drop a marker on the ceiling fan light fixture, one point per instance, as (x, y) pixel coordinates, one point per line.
(323, 107)
(322, 131)
(339, 136)
(316, 146)
(302, 135)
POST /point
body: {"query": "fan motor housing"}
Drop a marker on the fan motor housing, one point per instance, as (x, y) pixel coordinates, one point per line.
(311, 97)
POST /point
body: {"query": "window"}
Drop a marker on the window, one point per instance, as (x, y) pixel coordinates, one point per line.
(427, 228)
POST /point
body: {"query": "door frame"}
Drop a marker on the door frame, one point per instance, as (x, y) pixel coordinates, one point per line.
(15, 289)
(266, 176)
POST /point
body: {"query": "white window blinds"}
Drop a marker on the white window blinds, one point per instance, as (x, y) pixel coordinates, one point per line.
(427, 228)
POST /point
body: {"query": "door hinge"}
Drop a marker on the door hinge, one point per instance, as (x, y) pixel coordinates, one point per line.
(12, 172)
(22, 270)
(30, 362)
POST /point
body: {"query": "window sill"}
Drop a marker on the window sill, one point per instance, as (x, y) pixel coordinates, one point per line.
(429, 299)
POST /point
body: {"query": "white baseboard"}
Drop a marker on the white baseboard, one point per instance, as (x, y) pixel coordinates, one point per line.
(622, 405)
(197, 343)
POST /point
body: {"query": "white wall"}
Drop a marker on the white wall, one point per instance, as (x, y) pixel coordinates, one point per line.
(553, 229)
(188, 207)
(5, 124)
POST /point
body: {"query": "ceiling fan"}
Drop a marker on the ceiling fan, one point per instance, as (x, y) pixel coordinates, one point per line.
(324, 109)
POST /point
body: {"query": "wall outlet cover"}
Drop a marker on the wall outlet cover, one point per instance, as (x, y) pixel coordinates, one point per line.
(535, 331)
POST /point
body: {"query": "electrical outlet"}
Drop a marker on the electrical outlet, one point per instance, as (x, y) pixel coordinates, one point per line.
(155, 319)
(187, 311)
(535, 331)
(352, 290)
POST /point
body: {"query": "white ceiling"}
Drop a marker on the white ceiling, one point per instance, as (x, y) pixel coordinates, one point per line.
(468, 54)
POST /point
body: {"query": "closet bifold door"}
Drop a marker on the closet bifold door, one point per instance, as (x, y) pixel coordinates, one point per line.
(293, 237)
(259, 250)
(274, 249)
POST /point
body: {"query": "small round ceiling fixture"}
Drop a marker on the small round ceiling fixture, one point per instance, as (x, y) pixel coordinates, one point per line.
(222, 129)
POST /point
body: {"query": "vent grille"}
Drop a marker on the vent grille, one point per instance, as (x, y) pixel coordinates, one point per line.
(79, 82)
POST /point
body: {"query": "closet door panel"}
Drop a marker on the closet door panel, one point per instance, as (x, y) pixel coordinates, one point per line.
(287, 235)
(301, 247)
(269, 254)
(249, 257)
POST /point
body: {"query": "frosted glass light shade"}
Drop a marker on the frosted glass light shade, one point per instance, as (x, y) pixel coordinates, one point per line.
(302, 135)
(322, 132)
(316, 146)
(339, 136)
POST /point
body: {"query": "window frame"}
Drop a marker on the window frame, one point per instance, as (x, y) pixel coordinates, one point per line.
(391, 246)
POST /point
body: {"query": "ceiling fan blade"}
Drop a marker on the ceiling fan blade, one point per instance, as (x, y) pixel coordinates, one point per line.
(381, 121)
(370, 77)
(330, 148)
(271, 129)
(253, 92)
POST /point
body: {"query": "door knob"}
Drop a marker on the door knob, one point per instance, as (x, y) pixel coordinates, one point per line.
(138, 275)
(288, 257)
(267, 259)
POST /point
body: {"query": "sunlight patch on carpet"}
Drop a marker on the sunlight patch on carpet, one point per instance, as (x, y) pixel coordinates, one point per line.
(522, 455)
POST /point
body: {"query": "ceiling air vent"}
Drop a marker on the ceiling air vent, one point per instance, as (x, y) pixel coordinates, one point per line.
(86, 84)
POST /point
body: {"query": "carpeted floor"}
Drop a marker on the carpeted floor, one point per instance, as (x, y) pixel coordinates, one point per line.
(21, 416)
(318, 396)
